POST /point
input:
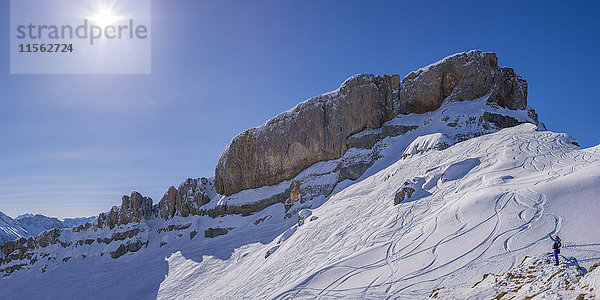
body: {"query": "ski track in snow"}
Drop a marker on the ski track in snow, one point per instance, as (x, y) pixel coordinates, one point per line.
(498, 233)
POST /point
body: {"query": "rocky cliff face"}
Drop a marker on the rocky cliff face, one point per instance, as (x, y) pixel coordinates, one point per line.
(133, 208)
(313, 131)
(319, 128)
(187, 199)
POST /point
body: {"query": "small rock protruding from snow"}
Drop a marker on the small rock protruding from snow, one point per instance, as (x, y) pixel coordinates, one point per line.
(425, 143)
(303, 215)
(295, 194)
(271, 251)
(404, 192)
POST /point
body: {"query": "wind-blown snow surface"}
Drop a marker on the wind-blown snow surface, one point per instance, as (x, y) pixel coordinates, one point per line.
(425, 143)
(483, 219)
(480, 207)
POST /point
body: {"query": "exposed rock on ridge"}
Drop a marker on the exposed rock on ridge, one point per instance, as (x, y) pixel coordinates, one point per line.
(183, 201)
(133, 208)
(318, 129)
(186, 200)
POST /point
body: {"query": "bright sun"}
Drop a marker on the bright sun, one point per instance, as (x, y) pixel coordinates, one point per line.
(104, 17)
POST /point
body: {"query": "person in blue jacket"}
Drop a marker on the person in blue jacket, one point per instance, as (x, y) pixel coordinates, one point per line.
(556, 247)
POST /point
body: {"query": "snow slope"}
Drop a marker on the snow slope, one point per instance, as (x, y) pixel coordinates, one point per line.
(10, 229)
(484, 218)
(479, 207)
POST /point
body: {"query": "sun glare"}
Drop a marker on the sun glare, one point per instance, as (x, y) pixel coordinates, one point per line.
(104, 17)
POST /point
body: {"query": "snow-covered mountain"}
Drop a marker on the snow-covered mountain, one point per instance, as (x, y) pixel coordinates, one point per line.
(10, 229)
(35, 224)
(73, 222)
(418, 204)
(25, 215)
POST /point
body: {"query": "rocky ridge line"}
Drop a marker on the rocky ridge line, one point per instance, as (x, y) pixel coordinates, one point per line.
(319, 128)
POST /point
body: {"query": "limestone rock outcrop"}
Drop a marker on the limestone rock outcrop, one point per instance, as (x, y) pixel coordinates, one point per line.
(313, 131)
(318, 129)
(510, 90)
(185, 200)
(133, 208)
(405, 192)
(215, 232)
(132, 246)
(295, 194)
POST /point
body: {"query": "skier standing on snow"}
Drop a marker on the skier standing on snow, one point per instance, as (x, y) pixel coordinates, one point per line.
(556, 247)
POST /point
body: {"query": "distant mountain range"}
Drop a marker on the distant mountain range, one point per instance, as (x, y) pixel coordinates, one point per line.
(27, 225)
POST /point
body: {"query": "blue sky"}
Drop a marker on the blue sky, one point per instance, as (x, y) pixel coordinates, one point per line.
(72, 145)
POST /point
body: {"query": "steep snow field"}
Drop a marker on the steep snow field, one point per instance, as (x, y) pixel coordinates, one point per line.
(479, 207)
